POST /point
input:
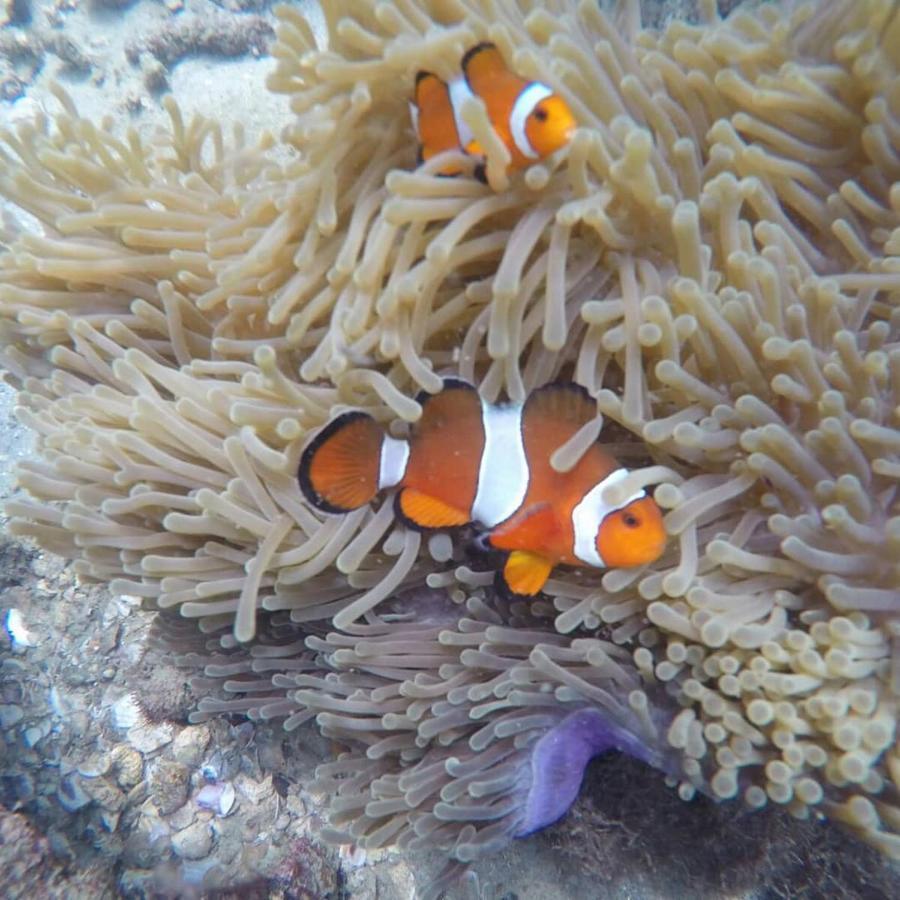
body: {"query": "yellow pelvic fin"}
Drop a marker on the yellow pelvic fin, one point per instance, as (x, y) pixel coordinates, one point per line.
(526, 573)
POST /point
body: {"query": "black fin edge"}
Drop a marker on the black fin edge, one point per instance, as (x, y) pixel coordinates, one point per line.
(405, 520)
(451, 383)
(564, 385)
(467, 56)
(572, 386)
(306, 458)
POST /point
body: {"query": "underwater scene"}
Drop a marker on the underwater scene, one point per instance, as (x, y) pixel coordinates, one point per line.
(450, 449)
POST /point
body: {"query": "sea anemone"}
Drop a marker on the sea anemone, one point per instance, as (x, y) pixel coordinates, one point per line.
(714, 256)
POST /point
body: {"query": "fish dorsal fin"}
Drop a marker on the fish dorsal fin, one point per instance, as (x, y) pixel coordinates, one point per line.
(450, 383)
(526, 573)
(420, 510)
(567, 406)
(552, 415)
(528, 529)
(488, 75)
(451, 416)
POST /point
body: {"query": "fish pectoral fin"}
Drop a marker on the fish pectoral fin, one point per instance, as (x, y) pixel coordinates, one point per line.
(525, 573)
(421, 510)
(528, 529)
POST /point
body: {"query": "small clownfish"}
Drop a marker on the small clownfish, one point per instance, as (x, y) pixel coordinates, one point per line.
(467, 461)
(529, 118)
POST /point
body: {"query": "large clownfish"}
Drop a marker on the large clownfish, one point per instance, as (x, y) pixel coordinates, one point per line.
(530, 119)
(467, 461)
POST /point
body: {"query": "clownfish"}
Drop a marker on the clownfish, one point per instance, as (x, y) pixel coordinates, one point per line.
(530, 119)
(468, 461)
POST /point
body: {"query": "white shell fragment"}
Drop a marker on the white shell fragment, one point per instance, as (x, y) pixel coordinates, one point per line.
(126, 712)
(14, 622)
(217, 797)
(144, 736)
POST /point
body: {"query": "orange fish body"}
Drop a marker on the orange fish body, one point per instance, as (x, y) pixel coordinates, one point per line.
(530, 119)
(470, 461)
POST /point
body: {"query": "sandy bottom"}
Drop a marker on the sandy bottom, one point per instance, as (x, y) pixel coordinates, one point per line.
(106, 791)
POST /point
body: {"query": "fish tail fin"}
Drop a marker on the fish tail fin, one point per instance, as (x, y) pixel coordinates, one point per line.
(339, 470)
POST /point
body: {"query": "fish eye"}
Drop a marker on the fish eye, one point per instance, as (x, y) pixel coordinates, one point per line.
(541, 114)
(631, 520)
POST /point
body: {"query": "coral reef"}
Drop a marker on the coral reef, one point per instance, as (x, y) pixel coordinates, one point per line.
(714, 257)
(93, 45)
(22, 54)
(207, 33)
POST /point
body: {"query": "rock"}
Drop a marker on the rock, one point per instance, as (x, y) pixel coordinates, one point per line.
(257, 792)
(10, 715)
(156, 77)
(16, 789)
(224, 762)
(36, 733)
(307, 871)
(193, 842)
(190, 745)
(149, 737)
(108, 640)
(110, 820)
(96, 764)
(71, 795)
(128, 765)
(183, 817)
(148, 841)
(104, 793)
(168, 785)
(29, 867)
